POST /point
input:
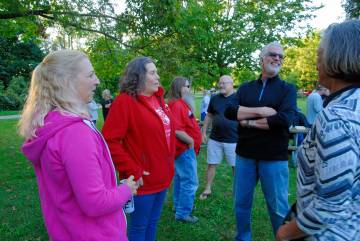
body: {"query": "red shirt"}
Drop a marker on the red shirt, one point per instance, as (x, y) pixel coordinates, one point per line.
(136, 138)
(185, 121)
(153, 102)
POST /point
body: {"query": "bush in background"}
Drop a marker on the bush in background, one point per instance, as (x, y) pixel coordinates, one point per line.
(14, 96)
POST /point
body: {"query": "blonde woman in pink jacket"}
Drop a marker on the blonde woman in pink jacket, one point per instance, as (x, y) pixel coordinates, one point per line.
(79, 195)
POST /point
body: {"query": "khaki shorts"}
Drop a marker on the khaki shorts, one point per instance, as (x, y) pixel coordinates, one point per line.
(216, 151)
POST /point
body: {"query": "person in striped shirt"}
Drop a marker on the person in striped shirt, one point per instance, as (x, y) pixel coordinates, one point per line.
(328, 176)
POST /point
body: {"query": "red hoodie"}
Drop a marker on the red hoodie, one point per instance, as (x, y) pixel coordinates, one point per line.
(185, 121)
(136, 138)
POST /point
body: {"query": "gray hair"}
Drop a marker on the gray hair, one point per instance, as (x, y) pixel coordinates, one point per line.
(340, 51)
(106, 94)
(320, 87)
(226, 78)
(265, 49)
(189, 100)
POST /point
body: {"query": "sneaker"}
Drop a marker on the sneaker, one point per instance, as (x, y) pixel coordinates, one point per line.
(188, 219)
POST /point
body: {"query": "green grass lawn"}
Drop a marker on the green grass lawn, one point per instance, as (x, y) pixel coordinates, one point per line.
(21, 219)
(301, 102)
(9, 112)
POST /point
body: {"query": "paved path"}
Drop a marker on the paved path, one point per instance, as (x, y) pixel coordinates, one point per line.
(9, 117)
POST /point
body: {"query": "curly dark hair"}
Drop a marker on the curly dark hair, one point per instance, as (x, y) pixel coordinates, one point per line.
(134, 77)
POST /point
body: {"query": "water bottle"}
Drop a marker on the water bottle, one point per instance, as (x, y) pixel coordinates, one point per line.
(129, 205)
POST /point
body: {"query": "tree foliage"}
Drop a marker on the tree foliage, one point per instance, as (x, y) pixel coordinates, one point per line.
(352, 8)
(109, 60)
(83, 16)
(195, 38)
(205, 39)
(13, 97)
(18, 58)
(300, 63)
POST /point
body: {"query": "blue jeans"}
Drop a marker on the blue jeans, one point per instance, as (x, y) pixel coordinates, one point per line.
(202, 116)
(185, 183)
(144, 219)
(274, 178)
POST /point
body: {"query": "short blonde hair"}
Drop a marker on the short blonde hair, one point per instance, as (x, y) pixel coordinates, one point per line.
(53, 85)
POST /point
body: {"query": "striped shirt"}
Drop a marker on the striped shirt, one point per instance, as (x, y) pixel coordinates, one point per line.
(328, 177)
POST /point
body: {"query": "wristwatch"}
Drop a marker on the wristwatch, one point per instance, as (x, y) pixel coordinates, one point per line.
(250, 123)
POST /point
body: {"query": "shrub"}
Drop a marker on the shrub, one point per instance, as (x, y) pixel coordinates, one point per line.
(14, 96)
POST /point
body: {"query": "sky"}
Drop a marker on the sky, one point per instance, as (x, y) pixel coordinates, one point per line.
(332, 12)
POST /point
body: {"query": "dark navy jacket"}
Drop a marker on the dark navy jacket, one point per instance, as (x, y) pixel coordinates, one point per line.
(265, 144)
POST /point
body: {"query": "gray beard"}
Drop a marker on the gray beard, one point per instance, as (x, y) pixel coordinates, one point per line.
(189, 100)
(272, 70)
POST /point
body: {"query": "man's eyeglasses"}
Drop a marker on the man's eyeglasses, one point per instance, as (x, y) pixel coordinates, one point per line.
(273, 55)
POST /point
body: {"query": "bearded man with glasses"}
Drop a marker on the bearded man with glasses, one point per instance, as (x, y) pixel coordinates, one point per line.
(264, 109)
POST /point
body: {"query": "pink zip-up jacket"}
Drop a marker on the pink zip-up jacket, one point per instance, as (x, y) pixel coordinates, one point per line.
(80, 199)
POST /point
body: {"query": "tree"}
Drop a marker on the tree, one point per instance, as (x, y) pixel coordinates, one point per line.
(14, 96)
(83, 16)
(197, 39)
(205, 39)
(19, 59)
(300, 63)
(109, 60)
(352, 8)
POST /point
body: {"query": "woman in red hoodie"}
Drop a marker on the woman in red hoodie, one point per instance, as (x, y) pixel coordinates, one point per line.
(188, 143)
(140, 134)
